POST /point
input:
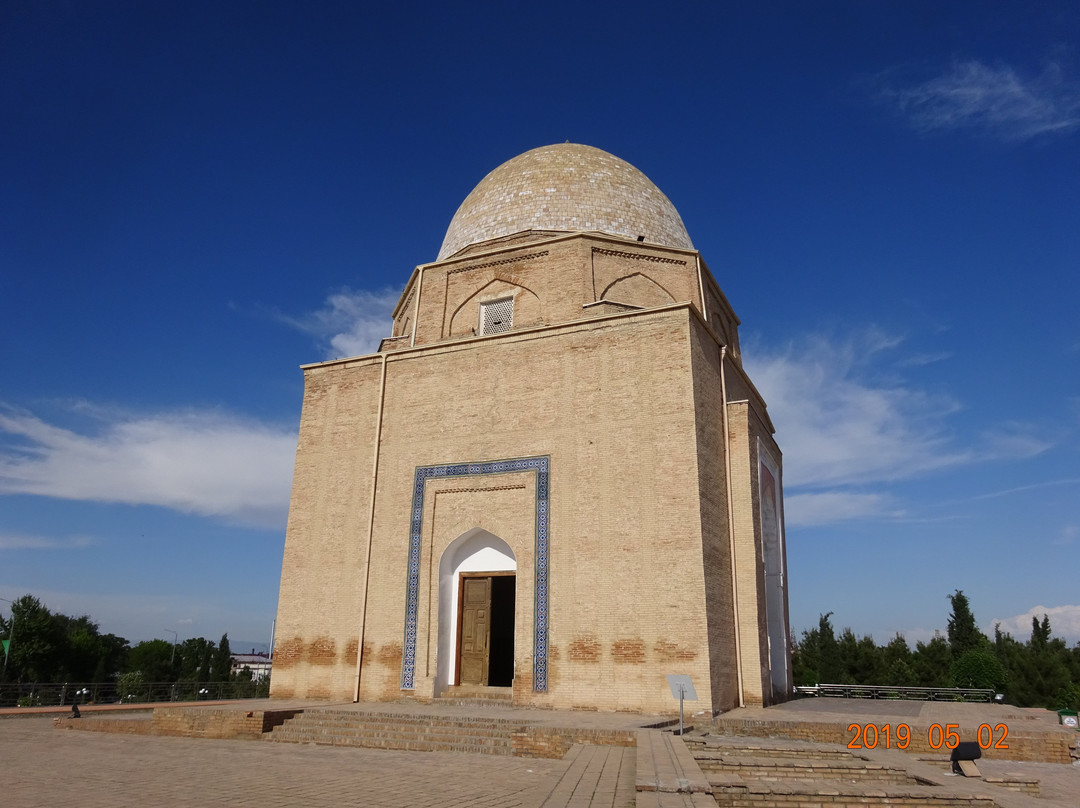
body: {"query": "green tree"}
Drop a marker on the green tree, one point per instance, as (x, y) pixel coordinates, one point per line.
(1048, 665)
(932, 663)
(153, 660)
(112, 657)
(195, 658)
(978, 667)
(896, 657)
(81, 653)
(830, 667)
(37, 642)
(221, 663)
(1043, 672)
(1015, 659)
(1068, 698)
(53, 647)
(131, 686)
(860, 660)
(805, 659)
(964, 634)
(1040, 633)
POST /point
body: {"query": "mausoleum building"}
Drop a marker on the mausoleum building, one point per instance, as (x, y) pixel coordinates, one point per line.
(553, 480)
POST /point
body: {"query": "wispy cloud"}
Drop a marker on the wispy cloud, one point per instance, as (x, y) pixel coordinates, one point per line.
(1067, 535)
(805, 510)
(202, 462)
(919, 360)
(25, 541)
(1064, 622)
(850, 422)
(1032, 487)
(838, 425)
(1013, 440)
(995, 100)
(350, 322)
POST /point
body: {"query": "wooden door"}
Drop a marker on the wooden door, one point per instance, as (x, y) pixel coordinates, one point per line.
(475, 630)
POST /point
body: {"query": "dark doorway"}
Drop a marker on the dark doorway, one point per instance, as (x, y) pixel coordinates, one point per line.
(501, 662)
(486, 630)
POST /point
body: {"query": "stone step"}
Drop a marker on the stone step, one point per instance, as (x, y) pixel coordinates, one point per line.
(361, 721)
(786, 770)
(736, 795)
(725, 747)
(397, 731)
(474, 701)
(404, 718)
(340, 738)
(315, 732)
(480, 691)
(399, 744)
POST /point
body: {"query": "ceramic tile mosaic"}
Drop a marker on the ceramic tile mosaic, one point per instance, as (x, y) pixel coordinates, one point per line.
(542, 467)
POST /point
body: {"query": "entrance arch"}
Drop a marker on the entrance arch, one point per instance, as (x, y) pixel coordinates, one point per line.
(475, 556)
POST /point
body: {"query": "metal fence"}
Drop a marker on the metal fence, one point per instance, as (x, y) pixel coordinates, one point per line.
(53, 695)
(892, 692)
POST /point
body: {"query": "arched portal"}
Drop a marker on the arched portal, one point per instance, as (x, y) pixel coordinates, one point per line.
(476, 612)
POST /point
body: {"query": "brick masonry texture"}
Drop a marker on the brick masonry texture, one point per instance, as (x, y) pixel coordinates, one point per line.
(613, 374)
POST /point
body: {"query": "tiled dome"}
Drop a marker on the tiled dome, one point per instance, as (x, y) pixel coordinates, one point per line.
(565, 187)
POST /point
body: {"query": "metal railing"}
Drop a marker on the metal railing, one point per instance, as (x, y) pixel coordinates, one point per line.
(890, 692)
(61, 695)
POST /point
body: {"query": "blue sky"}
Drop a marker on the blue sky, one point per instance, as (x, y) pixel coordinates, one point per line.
(197, 198)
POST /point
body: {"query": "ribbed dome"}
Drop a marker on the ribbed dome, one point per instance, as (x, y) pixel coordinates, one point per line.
(565, 187)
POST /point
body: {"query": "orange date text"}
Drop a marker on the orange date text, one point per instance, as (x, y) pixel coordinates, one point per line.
(899, 736)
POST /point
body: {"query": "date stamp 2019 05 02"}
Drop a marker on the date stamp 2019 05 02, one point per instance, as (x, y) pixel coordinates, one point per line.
(871, 736)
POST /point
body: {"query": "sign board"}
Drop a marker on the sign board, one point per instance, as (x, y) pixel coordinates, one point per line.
(681, 687)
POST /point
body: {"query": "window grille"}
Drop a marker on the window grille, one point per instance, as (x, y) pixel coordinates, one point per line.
(497, 316)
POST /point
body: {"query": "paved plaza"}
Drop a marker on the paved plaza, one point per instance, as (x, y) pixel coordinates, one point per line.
(57, 769)
(44, 766)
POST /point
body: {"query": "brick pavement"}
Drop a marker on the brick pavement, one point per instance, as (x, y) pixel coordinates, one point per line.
(44, 767)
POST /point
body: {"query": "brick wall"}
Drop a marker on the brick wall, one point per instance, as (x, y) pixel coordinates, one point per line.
(550, 742)
(187, 722)
(627, 409)
(611, 404)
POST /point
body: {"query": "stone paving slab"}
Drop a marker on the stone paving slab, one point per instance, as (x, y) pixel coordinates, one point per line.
(45, 768)
(597, 777)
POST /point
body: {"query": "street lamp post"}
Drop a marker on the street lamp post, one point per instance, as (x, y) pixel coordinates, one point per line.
(172, 662)
(175, 637)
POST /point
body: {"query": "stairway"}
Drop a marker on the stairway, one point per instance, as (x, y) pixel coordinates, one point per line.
(478, 696)
(751, 772)
(415, 733)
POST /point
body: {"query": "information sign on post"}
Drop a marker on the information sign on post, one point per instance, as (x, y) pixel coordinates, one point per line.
(681, 688)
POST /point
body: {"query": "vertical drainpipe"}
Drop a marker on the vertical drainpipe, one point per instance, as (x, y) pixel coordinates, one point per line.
(701, 291)
(416, 305)
(731, 527)
(371, 527)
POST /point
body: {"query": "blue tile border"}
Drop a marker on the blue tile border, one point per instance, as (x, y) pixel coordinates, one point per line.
(541, 465)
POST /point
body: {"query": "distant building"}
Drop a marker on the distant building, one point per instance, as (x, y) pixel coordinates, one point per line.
(258, 664)
(554, 477)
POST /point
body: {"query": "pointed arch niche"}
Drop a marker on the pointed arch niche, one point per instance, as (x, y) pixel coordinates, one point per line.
(475, 551)
(484, 551)
(465, 319)
(637, 289)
